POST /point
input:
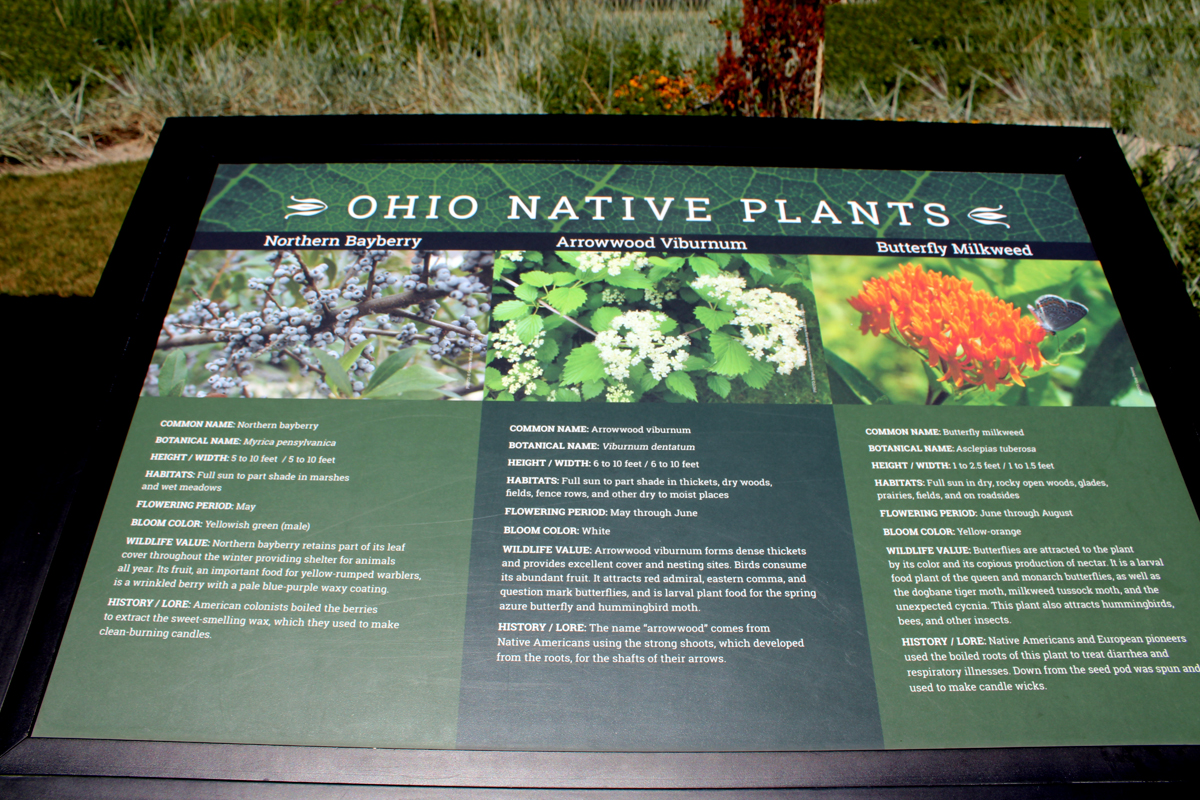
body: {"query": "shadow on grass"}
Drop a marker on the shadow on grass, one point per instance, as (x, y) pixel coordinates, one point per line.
(56, 230)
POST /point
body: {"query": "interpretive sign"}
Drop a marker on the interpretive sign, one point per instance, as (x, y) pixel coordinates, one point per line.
(614, 456)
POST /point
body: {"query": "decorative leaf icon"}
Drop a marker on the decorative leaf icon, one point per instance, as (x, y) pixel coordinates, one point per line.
(988, 216)
(305, 207)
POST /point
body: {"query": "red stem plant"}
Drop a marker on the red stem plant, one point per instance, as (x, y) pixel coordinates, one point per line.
(775, 75)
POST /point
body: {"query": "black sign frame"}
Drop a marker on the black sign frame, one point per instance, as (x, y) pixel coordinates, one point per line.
(40, 581)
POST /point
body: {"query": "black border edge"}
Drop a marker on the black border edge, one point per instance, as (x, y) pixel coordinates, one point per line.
(135, 286)
(525, 769)
(140, 277)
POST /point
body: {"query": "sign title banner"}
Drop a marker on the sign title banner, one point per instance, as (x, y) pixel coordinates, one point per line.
(646, 199)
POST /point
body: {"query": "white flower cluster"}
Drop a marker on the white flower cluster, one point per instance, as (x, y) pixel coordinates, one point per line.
(657, 298)
(619, 393)
(513, 255)
(643, 342)
(612, 263)
(524, 368)
(770, 321)
(612, 297)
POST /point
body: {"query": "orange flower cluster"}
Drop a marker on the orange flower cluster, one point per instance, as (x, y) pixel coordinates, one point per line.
(971, 337)
(655, 93)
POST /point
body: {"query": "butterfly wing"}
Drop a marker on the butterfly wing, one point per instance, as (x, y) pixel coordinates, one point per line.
(1055, 313)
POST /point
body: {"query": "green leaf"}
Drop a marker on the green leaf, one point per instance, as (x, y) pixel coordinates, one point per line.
(1074, 345)
(719, 384)
(855, 381)
(760, 374)
(537, 278)
(548, 351)
(1107, 374)
(602, 318)
(492, 379)
(568, 257)
(534, 256)
(418, 377)
(673, 263)
(695, 363)
(629, 279)
(553, 321)
(527, 293)
(529, 328)
(588, 278)
(659, 271)
(722, 259)
(592, 388)
(350, 356)
(567, 298)
(172, 375)
(713, 319)
(565, 395)
(563, 278)
(335, 374)
(840, 392)
(583, 364)
(541, 388)
(390, 366)
(704, 266)
(681, 384)
(730, 357)
(759, 262)
(1135, 397)
(510, 309)
(422, 394)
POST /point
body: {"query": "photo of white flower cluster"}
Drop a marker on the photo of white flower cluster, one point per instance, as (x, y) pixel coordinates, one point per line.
(611, 263)
(642, 327)
(635, 338)
(523, 366)
(771, 322)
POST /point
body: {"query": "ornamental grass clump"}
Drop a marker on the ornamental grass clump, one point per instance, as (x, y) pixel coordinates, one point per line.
(967, 337)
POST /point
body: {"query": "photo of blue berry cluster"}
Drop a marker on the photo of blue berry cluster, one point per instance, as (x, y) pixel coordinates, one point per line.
(342, 324)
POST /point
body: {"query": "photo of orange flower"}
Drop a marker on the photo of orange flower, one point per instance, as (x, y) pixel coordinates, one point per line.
(967, 336)
(973, 331)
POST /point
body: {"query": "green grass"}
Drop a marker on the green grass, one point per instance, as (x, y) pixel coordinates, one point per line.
(92, 72)
(57, 230)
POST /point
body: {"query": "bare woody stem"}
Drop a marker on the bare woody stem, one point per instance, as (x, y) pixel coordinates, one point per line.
(302, 362)
(308, 278)
(378, 305)
(447, 326)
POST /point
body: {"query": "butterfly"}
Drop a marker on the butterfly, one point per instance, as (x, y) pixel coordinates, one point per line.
(1057, 314)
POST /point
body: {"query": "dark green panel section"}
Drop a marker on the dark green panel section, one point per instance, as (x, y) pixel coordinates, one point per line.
(1072, 563)
(667, 635)
(390, 680)
(1025, 208)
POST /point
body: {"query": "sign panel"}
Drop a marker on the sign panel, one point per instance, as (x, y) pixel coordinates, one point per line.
(640, 458)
